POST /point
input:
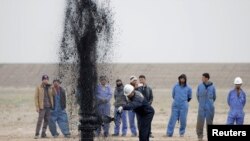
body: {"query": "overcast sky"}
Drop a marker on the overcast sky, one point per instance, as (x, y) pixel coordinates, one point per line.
(159, 31)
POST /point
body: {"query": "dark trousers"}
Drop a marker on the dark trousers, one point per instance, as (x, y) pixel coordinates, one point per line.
(144, 125)
(44, 115)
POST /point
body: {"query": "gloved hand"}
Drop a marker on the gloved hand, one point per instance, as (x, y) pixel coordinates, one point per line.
(120, 109)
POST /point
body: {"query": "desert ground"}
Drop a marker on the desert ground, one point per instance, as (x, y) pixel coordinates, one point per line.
(18, 116)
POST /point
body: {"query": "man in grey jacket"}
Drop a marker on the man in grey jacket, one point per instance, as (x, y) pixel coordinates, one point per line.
(120, 100)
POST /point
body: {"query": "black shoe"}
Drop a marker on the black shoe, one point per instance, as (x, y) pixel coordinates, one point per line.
(123, 135)
(43, 135)
(151, 136)
(97, 134)
(133, 135)
(169, 135)
(115, 135)
(56, 135)
(67, 136)
(36, 137)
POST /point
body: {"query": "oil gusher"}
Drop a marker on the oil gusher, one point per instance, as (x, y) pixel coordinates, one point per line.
(83, 23)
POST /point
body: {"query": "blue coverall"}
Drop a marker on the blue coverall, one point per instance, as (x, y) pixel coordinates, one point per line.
(132, 125)
(103, 96)
(206, 95)
(144, 113)
(236, 103)
(181, 96)
(123, 119)
(59, 115)
(131, 119)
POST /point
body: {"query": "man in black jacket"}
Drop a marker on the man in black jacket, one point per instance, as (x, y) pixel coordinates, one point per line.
(58, 114)
(144, 112)
(146, 92)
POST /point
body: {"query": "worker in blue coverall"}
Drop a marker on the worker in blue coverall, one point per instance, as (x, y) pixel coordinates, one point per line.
(206, 95)
(181, 94)
(141, 107)
(120, 100)
(103, 96)
(59, 115)
(236, 100)
(131, 113)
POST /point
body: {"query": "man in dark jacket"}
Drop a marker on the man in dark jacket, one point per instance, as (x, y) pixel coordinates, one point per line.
(146, 92)
(120, 100)
(58, 114)
(145, 89)
(143, 110)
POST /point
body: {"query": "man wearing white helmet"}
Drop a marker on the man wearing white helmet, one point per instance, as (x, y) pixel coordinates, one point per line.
(236, 100)
(141, 107)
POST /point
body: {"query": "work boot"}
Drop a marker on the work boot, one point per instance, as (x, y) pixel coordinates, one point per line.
(106, 135)
(96, 134)
(169, 135)
(56, 135)
(36, 136)
(133, 135)
(115, 135)
(43, 135)
(67, 136)
(123, 135)
(151, 136)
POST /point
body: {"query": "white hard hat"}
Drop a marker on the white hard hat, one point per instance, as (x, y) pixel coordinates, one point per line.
(238, 80)
(128, 89)
(132, 78)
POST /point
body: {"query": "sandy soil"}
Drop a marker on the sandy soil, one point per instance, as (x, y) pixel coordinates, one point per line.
(18, 116)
